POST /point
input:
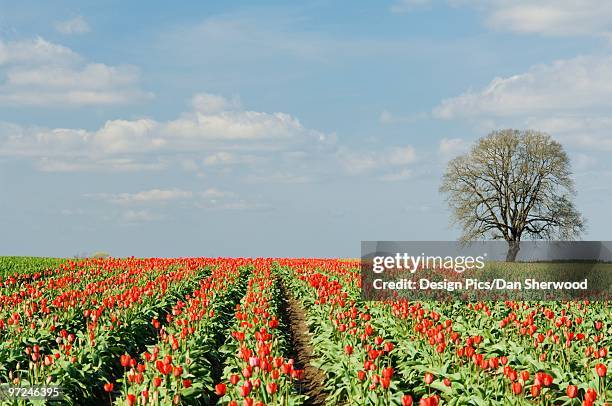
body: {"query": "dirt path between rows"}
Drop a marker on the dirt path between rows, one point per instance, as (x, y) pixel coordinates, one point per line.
(312, 384)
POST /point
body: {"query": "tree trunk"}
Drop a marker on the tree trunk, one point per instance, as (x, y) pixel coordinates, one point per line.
(513, 249)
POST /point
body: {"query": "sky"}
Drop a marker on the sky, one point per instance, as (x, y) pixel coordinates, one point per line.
(265, 128)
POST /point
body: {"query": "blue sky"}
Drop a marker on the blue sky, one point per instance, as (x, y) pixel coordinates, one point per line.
(277, 129)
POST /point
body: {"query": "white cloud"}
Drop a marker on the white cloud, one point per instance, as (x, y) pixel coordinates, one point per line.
(126, 136)
(452, 146)
(399, 156)
(93, 76)
(140, 216)
(239, 125)
(144, 197)
(356, 162)
(233, 205)
(363, 162)
(581, 83)
(261, 147)
(546, 17)
(101, 165)
(136, 141)
(281, 177)
(216, 199)
(585, 132)
(212, 103)
(227, 158)
(215, 194)
(143, 201)
(76, 25)
(35, 51)
(569, 99)
(38, 72)
(221, 157)
(572, 123)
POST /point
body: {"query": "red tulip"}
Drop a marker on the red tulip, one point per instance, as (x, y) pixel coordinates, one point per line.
(572, 391)
(220, 389)
(246, 372)
(590, 395)
(245, 390)
(493, 363)
(406, 400)
(272, 388)
(125, 360)
(177, 371)
(601, 370)
(430, 401)
(131, 399)
(387, 372)
(525, 376)
(517, 388)
(429, 378)
(253, 361)
(108, 387)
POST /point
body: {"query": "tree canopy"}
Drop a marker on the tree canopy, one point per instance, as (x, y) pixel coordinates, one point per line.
(513, 185)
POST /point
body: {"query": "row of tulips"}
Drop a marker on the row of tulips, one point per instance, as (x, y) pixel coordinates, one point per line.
(456, 353)
(507, 352)
(182, 365)
(358, 362)
(256, 370)
(58, 301)
(75, 341)
(16, 272)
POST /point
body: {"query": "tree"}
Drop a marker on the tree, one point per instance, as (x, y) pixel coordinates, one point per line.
(513, 185)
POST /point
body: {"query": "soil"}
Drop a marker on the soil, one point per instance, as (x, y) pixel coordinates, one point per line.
(312, 383)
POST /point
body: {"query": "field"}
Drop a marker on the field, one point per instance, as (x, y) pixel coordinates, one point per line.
(283, 332)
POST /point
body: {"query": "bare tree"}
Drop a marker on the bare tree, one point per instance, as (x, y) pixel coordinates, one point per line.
(513, 185)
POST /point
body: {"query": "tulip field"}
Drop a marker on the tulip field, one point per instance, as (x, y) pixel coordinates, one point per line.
(239, 331)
